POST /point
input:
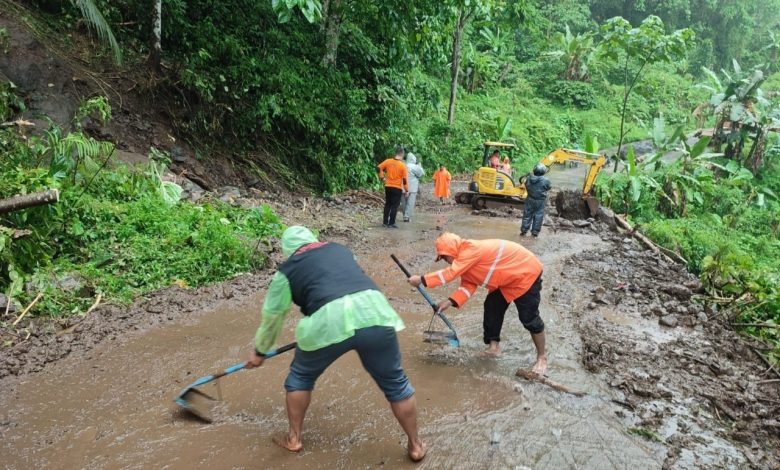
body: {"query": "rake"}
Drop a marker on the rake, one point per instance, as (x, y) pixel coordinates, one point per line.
(450, 338)
(199, 403)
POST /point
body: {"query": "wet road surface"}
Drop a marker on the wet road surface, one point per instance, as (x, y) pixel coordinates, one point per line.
(113, 408)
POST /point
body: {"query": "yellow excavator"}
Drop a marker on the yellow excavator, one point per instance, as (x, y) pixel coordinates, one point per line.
(491, 184)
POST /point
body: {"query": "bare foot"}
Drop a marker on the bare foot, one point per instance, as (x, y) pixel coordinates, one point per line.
(417, 450)
(490, 352)
(540, 367)
(286, 442)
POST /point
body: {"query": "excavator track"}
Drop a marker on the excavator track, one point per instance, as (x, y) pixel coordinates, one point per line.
(464, 197)
(480, 202)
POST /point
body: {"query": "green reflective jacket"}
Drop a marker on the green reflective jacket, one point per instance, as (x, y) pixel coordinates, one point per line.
(332, 323)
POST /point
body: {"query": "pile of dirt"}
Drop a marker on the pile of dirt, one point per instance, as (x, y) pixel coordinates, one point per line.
(695, 385)
(38, 341)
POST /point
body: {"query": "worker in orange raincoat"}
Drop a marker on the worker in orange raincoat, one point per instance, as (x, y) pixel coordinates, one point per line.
(441, 183)
(510, 273)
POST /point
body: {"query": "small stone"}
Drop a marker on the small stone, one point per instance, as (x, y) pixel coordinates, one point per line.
(581, 223)
(566, 223)
(592, 305)
(668, 320)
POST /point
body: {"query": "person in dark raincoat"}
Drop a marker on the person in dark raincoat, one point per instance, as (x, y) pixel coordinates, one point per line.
(533, 213)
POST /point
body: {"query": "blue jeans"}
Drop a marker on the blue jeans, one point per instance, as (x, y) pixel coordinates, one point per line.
(377, 347)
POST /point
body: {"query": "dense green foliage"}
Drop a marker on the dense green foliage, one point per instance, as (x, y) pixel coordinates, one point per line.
(117, 231)
(717, 215)
(327, 88)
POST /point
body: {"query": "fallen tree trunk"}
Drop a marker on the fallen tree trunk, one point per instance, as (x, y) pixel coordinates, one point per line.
(623, 223)
(29, 200)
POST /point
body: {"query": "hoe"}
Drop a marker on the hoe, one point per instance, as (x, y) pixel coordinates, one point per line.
(199, 403)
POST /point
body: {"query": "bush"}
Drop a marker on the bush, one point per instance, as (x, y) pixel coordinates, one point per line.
(570, 93)
(113, 228)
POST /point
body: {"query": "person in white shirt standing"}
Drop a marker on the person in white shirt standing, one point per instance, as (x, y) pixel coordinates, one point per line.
(416, 172)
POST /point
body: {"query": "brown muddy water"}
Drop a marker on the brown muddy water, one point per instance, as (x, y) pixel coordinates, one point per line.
(113, 407)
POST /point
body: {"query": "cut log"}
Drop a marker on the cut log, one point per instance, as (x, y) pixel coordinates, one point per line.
(29, 200)
(623, 223)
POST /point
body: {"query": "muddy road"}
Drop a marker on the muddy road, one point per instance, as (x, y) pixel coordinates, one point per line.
(112, 406)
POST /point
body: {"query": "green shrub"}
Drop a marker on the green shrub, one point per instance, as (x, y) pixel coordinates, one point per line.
(113, 228)
(570, 93)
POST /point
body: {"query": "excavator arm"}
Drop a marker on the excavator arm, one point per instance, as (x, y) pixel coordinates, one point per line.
(595, 161)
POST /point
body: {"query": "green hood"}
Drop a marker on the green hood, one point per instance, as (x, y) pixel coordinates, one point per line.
(294, 238)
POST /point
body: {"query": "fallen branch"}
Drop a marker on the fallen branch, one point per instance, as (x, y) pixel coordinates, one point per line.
(29, 200)
(646, 241)
(19, 123)
(89, 310)
(534, 377)
(24, 312)
(765, 361)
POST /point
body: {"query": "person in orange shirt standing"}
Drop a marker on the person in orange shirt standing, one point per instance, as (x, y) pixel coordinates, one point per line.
(396, 178)
(441, 183)
(510, 273)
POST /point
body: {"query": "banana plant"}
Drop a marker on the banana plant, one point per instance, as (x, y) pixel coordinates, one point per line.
(576, 53)
(591, 143)
(503, 128)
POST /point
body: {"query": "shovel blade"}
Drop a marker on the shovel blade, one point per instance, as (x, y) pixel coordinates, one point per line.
(197, 403)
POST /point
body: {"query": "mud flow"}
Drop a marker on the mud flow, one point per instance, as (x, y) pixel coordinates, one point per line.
(112, 407)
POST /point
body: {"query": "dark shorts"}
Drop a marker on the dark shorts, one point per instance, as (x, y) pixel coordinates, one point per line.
(527, 309)
(377, 347)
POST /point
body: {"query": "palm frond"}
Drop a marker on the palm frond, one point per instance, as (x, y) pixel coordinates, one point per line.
(95, 19)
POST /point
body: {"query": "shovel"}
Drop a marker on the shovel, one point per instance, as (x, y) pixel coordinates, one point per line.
(433, 336)
(199, 403)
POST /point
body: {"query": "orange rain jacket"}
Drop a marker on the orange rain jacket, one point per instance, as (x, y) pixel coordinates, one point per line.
(441, 183)
(494, 264)
(397, 174)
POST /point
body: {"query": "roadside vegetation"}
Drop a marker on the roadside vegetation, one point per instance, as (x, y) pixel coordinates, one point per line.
(117, 231)
(328, 88)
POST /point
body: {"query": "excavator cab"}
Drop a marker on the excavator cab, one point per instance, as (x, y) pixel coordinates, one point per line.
(489, 184)
(490, 180)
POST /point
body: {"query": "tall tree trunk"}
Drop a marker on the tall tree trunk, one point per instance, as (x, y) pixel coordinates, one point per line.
(155, 52)
(627, 88)
(756, 154)
(332, 32)
(325, 6)
(455, 70)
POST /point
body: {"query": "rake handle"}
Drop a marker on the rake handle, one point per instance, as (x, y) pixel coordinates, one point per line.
(420, 288)
(430, 301)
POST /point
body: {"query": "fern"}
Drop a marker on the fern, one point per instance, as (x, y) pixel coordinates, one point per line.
(94, 18)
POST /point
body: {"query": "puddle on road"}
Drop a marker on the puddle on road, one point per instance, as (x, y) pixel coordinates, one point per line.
(114, 407)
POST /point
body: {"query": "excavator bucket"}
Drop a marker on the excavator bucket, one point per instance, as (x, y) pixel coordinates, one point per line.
(593, 205)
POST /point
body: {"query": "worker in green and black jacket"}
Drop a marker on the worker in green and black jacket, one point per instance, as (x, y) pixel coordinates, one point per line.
(343, 310)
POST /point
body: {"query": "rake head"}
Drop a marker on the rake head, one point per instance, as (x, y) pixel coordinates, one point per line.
(441, 337)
